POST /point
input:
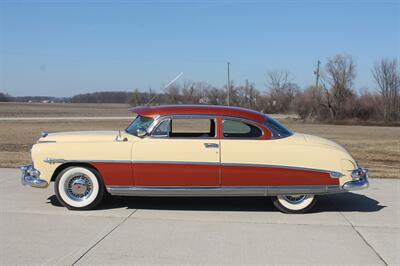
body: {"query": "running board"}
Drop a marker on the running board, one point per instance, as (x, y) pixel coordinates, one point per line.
(221, 191)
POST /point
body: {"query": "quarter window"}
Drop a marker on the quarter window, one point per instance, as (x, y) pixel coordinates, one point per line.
(163, 129)
(239, 129)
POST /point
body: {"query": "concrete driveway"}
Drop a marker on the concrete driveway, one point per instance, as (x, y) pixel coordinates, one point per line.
(353, 228)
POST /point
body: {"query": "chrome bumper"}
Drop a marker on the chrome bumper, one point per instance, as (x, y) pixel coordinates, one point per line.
(360, 180)
(30, 176)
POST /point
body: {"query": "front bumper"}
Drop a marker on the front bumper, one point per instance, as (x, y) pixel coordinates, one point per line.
(360, 180)
(31, 176)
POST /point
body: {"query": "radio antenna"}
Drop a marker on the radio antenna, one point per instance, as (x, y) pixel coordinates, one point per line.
(166, 86)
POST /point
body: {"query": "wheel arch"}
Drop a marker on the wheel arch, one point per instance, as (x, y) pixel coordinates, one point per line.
(77, 164)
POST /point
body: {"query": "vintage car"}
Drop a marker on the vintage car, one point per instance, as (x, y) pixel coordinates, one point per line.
(193, 150)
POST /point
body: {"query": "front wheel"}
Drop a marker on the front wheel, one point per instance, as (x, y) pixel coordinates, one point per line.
(294, 203)
(79, 188)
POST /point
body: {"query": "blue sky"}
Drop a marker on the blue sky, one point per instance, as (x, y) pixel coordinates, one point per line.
(65, 48)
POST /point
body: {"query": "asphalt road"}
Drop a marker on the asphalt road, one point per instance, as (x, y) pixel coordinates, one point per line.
(353, 228)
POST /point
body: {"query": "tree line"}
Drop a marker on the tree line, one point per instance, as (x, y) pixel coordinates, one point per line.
(333, 99)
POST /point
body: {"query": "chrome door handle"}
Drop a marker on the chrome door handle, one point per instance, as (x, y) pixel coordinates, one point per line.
(211, 145)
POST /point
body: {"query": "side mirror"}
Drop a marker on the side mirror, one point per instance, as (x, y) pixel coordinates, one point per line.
(141, 132)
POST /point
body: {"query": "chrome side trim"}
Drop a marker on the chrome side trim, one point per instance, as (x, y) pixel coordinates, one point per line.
(61, 161)
(332, 174)
(221, 191)
(54, 161)
(175, 162)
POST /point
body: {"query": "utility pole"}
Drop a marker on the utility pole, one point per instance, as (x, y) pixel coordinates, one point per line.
(316, 73)
(229, 84)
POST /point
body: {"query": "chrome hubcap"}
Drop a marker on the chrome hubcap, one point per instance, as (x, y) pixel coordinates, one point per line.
(78, 187)
(295, 199)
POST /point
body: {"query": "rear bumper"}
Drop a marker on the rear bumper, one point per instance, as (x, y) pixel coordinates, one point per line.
(31, 176)
(360, 180)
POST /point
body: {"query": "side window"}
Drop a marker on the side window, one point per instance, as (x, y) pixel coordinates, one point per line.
(239, 129)
(163, 129)
(192, 128)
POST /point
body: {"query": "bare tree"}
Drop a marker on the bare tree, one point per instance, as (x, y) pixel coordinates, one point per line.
(247, 95)
(216, 96)
(173, 94)
(191, 92)
(387, 76)
(338, 83)
(281, 90)
(308, 103)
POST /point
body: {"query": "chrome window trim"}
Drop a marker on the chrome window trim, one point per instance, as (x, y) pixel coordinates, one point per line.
(159, 119)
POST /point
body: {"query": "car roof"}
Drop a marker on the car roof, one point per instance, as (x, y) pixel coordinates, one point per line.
(183, 109)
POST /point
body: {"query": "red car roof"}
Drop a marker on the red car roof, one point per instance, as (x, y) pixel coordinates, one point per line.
(153, 111)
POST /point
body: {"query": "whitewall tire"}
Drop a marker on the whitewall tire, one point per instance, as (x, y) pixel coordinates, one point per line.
(79, 188)
(294, 203)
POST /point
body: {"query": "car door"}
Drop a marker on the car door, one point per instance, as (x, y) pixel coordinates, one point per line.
(242, 144)
(181, 151)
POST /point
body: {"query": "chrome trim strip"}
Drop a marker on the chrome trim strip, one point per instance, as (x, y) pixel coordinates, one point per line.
(61, 161)
(332, 174)
(176, 162)
(221, 191)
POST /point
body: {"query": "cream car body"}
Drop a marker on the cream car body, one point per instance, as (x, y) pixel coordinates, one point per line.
(215, 164)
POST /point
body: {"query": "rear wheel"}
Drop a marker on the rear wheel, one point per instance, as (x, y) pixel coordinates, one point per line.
(294, 203)
(79, 188)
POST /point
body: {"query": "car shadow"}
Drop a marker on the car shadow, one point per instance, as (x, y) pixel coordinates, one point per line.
(344, 202)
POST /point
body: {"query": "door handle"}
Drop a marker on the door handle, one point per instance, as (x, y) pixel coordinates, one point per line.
(211, 145)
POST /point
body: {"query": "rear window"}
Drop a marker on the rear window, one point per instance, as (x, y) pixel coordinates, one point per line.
(277, 129)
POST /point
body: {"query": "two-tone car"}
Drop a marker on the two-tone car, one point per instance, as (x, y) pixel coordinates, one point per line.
(193, 150)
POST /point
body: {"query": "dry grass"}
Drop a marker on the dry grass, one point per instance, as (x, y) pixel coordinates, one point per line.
(377, 148)
(63, 110)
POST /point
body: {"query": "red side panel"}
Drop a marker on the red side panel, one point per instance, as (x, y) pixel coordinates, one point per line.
(196, 175)
(190, 175)
(116, 174)
(273, 176)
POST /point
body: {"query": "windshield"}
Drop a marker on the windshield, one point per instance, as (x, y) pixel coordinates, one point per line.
(277, 129)
(140, 122)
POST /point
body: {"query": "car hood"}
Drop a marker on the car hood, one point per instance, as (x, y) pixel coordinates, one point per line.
(79, 136)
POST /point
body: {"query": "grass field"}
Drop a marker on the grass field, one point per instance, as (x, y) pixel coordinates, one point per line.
(377, 148)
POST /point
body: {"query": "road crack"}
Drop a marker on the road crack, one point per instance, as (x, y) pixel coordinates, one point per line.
(360, 235)
(102, 238)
